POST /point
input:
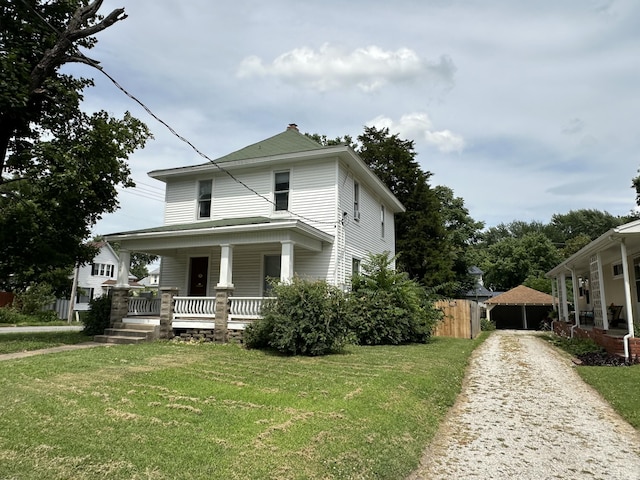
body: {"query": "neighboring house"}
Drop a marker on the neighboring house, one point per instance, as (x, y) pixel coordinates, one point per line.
(152, 281)
(605, 279)
(98, 277)
(281, 207)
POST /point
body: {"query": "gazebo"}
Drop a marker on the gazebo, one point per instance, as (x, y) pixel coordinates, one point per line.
(521, 308)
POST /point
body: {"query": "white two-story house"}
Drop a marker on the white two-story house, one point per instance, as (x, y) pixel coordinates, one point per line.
(281, 207)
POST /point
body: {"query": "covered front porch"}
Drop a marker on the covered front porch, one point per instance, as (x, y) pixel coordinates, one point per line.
(598, 291)
(214, 275)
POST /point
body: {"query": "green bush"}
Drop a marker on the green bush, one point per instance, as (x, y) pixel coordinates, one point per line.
(388, 308)
(98, 317)
(305, 318)
(34, 299)
(11, 316)
(487, 325)
(575, 345)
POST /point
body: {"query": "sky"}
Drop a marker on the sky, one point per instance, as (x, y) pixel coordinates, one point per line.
(524, 109)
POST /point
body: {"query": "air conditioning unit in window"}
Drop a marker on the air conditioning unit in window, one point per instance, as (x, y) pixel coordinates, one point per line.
(356, 215)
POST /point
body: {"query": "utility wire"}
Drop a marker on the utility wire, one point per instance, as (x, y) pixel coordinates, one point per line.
(91, 62)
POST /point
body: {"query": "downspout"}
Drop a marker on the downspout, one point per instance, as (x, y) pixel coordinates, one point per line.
(627, 297)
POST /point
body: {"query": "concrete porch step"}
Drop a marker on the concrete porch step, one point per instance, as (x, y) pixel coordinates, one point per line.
(121, 333)
(119, 339)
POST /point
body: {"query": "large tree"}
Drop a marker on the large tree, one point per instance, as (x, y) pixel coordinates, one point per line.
(421, 238)
(59, 166)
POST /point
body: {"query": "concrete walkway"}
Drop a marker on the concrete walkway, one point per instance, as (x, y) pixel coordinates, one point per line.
(43, 351)
(524, 413)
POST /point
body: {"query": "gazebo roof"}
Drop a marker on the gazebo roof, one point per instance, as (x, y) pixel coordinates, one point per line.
(521, 295)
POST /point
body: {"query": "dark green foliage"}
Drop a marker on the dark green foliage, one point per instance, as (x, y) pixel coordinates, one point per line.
(34, 299)
(487, 325)
(11, 316)
(421, 239)
(306, 318)
(60, 165)
(98, 317)
(388, 308)
(575, 346)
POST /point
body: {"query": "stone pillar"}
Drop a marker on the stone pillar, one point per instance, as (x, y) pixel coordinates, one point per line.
(222, 314)
(166, 311)
(119, 304)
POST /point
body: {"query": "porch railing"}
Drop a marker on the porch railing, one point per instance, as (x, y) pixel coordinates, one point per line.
(246, 308)
(194, 307)
(144, 306)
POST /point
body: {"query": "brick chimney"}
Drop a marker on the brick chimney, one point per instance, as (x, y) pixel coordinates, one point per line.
(293, 126)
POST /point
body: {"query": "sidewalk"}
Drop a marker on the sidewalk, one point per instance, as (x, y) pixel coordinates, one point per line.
(59, 328)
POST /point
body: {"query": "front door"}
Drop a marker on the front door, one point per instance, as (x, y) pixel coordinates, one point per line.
(198, 273)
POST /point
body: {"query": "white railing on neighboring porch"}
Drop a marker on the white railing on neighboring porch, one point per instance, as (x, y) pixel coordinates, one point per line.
(144, 306)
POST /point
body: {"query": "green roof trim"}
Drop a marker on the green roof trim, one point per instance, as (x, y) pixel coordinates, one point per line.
(289, 141)
(228, 222)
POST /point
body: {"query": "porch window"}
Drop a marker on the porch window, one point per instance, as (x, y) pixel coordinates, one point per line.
(271, 270)
(281, 191)
(204, 198)
(617, 270)
(356, 201)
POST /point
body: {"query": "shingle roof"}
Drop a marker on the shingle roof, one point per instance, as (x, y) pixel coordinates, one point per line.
(522, 295)
(289, 141)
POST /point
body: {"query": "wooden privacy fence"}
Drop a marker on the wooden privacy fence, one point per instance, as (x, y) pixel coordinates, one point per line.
(461, 319)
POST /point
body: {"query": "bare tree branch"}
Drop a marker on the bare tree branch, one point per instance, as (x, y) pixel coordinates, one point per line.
(76, 29)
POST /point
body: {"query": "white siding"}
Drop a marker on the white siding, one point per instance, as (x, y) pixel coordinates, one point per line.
(180, 205)
(87, 281)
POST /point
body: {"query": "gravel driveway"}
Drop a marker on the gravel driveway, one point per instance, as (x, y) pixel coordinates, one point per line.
(524, 413)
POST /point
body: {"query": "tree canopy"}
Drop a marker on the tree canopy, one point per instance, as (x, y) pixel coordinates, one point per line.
(59, 166)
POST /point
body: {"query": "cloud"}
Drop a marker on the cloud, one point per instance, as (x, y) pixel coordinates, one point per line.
(575, 125)
(369, 68)
(418, 126)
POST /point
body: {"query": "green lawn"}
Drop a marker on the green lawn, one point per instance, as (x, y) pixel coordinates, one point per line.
(620, 386)
(201, 411)
(21, 342)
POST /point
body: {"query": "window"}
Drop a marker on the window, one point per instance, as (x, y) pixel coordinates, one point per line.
(356, 201)
(281, 191)
(382, 220)
(271, 270)
(355, 266)
(617, 270)
(102, 270)
(84, 295)
(204, 198)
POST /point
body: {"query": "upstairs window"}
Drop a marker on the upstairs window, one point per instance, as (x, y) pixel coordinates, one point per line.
(204, 198)
(356, 201)
(355, 266)
(281, 191)
(382, 221)
(102, 270)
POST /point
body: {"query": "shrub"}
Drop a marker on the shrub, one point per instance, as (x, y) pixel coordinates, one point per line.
(34, 299)
(98, 317)
(305, 318)
(487, 325)
(11, 316)
(386, 307)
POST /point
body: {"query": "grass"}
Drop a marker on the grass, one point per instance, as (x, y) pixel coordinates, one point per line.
(22, 342)
(200, 411)
(620, 386)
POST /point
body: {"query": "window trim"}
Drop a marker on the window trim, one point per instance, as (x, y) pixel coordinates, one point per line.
(200, 202)
(277, 192)
(356, 201)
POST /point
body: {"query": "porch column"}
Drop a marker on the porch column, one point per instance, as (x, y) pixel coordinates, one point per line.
(124, 263)
(524, 317)
(576, 310)
(226, 266)
(166, 311)
(286, 262)
(627, 286)
(604, 310)
(119, 304)
(565, 302)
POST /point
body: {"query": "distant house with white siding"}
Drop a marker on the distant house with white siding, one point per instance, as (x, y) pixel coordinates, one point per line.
(281, 207)
(95, 278)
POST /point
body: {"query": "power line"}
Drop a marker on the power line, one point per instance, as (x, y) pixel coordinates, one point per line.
(167, 126)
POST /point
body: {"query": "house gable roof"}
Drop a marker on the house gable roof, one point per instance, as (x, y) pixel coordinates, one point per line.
(521, 295)
(289, 141)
